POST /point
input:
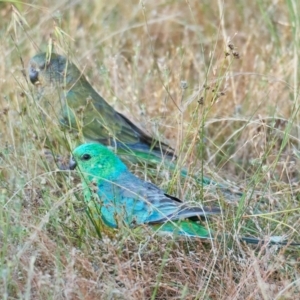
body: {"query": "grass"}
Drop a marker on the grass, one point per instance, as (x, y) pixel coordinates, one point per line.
(217, 81)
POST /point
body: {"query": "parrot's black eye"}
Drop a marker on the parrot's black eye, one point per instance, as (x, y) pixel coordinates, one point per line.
(86, 157)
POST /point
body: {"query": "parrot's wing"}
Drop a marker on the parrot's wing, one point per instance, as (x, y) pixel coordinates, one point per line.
(100, 122)
(160, 206)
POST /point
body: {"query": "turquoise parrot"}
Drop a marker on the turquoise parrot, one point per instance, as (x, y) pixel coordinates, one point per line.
(124, 199)
(80, 108)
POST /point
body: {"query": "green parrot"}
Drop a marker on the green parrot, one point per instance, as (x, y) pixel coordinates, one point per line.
(122, 199)
(80, 108)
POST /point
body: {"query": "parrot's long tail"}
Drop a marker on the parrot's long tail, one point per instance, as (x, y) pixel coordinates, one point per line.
(271, 241)
(135, 155)
(195, 230)
(147, 144)
(229, 194)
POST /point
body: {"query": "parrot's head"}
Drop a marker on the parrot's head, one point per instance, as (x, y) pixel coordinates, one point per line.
(96, 160)
(52, 69)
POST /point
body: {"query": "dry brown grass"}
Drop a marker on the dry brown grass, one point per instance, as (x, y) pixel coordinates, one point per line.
(164, 65)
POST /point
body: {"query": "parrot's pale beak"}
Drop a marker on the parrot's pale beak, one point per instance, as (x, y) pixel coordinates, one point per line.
(72, 164)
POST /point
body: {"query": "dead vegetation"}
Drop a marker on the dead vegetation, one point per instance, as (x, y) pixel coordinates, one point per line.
(217, 81)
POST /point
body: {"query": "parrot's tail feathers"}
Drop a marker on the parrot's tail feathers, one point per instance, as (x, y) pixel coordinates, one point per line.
(272, 241)
(229, 193)
(149, 144)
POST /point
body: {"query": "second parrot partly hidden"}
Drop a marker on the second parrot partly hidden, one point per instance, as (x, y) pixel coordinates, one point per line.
(118, 198)
(80, 108)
